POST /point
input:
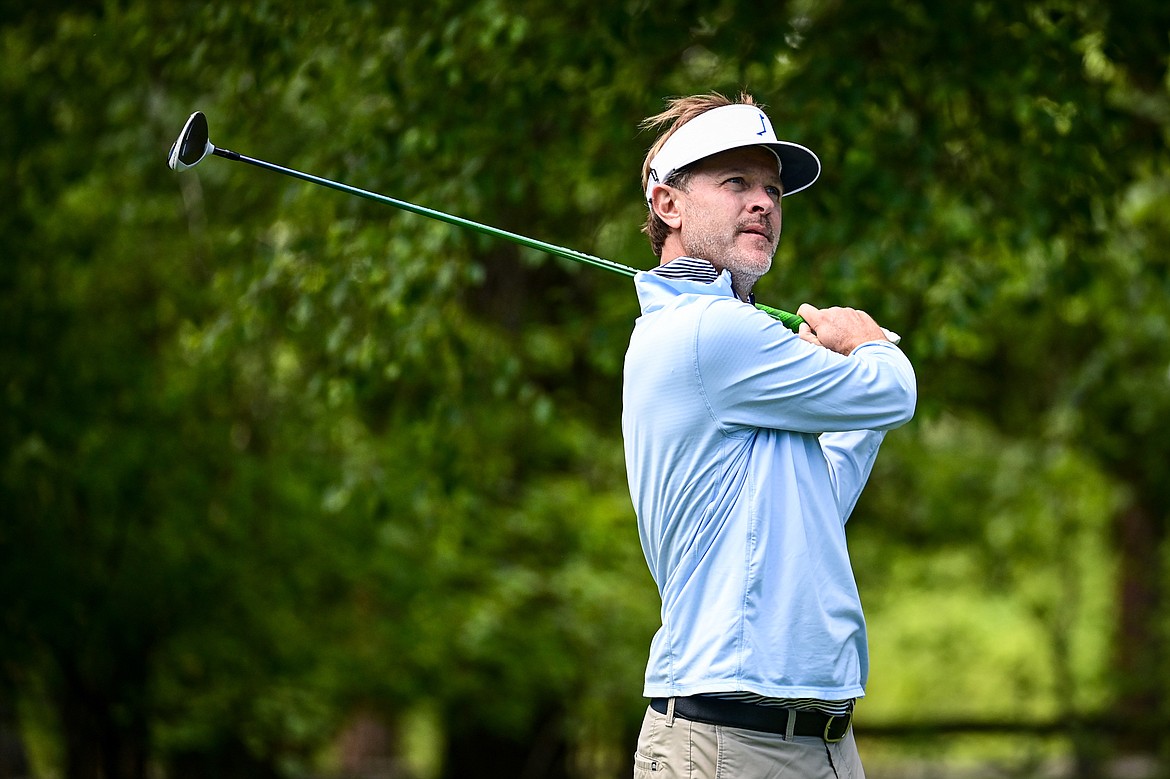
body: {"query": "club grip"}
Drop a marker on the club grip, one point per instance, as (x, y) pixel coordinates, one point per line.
(791, 321)
(794, 321)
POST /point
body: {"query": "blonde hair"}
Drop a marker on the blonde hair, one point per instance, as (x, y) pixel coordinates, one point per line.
(679, 111)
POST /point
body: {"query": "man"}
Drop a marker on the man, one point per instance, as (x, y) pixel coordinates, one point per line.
(747, 447)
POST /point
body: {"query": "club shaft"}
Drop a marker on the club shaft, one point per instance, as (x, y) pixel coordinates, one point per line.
(458, 221)
(792, 321)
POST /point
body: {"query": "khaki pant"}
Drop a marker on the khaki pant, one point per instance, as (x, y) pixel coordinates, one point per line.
(681, 749)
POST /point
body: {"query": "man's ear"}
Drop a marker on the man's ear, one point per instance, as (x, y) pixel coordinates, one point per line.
(667, 206)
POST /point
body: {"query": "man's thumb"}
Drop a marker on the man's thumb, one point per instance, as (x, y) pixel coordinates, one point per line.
(808, 313)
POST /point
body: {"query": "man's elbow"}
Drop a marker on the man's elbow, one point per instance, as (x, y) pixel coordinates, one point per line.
(906, 401)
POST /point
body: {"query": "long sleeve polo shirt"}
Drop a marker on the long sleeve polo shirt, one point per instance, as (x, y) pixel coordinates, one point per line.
(746, 451)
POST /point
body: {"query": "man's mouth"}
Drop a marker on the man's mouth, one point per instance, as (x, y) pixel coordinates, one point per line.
(760, 230)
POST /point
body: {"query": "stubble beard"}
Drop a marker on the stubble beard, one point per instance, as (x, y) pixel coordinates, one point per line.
(719, 247)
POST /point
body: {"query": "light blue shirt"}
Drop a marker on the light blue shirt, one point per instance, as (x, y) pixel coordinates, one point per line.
(746, 450)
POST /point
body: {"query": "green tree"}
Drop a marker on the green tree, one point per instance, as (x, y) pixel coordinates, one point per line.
(272, 455)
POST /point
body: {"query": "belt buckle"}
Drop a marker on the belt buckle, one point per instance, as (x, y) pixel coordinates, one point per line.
(828, 737)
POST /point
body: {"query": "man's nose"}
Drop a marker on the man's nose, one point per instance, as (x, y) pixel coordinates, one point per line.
(760, 201)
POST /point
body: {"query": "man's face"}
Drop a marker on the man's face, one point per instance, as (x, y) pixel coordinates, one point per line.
(731, 213)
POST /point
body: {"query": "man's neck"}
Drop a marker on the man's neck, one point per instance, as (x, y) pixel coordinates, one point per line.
(744, 291)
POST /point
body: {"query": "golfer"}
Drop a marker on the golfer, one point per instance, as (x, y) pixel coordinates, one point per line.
(747, 447)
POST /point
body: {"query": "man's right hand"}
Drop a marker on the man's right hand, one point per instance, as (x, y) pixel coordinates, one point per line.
(837, 328)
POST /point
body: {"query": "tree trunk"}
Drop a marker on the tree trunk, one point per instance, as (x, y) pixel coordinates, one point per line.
(1139, 657)
(13, 757)
(476, 750)
(104, 728)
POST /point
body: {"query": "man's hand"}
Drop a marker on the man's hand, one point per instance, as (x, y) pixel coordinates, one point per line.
(839, 329)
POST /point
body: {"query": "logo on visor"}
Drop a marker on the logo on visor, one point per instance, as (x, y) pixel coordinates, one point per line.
(763, 126)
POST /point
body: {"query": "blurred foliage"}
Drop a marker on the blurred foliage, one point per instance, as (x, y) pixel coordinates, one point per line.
(1010, 582)
(274, 457)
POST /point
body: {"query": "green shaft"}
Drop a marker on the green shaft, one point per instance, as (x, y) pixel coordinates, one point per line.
(791, 321)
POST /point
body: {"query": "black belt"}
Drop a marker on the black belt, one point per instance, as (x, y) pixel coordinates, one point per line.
(753, 716)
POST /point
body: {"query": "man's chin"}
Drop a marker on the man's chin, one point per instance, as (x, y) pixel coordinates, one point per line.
(746, 271)
(752, 264)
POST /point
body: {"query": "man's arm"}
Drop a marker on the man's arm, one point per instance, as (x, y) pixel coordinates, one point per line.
(754, 372)
(850, 457)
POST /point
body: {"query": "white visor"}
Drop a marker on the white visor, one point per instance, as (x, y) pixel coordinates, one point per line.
(732, 127)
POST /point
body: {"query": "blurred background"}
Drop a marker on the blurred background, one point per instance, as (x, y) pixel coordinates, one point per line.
(297, 485)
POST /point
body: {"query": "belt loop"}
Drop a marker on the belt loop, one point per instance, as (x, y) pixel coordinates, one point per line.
(790, 725)
(670, 712)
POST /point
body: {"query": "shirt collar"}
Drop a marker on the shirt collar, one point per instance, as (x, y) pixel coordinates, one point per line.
(690, 269)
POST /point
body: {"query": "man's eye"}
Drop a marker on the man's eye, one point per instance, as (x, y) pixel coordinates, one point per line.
(775, 192)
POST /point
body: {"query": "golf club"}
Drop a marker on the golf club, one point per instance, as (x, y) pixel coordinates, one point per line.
(194, 144)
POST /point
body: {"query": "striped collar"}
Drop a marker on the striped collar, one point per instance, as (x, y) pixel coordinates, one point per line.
(687, 269)
(691, 269)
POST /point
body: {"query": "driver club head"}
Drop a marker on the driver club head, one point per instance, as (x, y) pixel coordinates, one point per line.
(192, 145)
